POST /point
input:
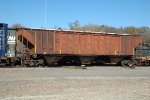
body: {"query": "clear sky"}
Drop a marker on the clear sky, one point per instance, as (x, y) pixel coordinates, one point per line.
(116, 13)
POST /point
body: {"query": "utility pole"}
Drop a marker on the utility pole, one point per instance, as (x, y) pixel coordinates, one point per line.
(45, 13)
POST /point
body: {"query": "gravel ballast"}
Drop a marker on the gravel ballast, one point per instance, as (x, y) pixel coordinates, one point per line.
(94, 83)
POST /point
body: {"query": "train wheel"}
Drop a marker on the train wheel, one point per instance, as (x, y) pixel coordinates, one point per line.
(137, 62)
(146, 63)
(128, 63)
(131, 64)
(31, 63)
(40, 63)
(15, 61)
(124, 63)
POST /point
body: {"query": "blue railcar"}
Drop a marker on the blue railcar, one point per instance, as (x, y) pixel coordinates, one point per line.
(142, 51)
(142, 55)
(3, 39)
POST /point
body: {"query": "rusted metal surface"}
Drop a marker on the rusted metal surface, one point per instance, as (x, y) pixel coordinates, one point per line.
(88, 44)
(38, 41)
(76, 44)
(71, 42)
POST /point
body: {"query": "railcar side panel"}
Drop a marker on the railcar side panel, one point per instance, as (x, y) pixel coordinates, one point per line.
(70, 42)
(76, 44)
(101, 44)
(89, 44)
(50, 42)
(11, 43)
(95, 44)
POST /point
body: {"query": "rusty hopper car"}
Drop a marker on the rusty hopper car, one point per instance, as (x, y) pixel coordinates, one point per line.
(48, 47)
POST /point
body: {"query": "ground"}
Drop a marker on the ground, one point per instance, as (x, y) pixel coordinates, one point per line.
(69, 83)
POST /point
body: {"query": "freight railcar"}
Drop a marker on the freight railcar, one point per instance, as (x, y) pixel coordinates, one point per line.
(79, 47)
(7, 43)
(142, 53)
(34, 47)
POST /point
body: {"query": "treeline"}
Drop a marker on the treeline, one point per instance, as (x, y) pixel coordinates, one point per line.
(143, 31)
(75, 25)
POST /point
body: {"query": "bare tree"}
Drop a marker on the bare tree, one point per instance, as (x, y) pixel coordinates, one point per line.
(143, 31)
(17, 25)
(130, 30)
(74, 25)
